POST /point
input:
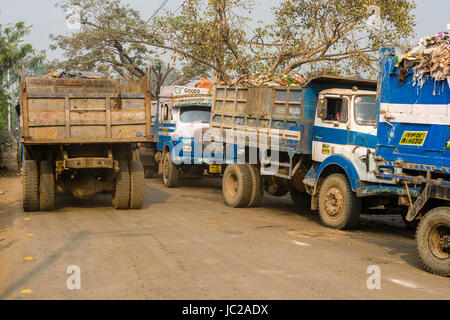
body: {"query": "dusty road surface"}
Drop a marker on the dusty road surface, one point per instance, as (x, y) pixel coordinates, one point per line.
(187, 244)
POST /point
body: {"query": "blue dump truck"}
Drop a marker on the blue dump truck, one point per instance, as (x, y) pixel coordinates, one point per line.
(317, 142)
(181, 116)
(413, 151)
(342, 145)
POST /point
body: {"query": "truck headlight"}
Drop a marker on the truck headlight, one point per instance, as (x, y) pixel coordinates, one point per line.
(187, 148)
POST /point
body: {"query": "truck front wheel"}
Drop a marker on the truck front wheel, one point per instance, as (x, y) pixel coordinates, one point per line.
(237, 185)
(433, 241)
(121, 193)
(339, 208)
(30, 183)
(170, 174)
(46, 186)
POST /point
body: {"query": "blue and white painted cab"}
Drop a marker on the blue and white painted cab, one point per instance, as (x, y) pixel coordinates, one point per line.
(182, 116)
(344, 135)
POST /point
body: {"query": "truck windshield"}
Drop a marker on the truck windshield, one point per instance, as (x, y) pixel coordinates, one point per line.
(365, 110)
(195, 114)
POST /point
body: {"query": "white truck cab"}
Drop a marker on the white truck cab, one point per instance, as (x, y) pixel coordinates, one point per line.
(343, 155)
(183, 115)
(345, 125)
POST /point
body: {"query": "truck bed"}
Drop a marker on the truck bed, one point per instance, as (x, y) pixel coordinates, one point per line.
(284, 111)
(414, 121)
(61, 111)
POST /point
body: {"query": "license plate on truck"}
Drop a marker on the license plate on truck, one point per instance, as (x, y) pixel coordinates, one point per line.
(215, 169)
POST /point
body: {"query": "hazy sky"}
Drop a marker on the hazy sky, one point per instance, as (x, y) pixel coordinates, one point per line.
(432, 16)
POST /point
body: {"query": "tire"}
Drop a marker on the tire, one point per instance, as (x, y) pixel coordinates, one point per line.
(30, 183)
(121, 193)
(137, 185)
(257, 187)
(149, 172)
(237, 185)
(171, 174)
(339, 208)
(46, 186)
(432, 228)
(301, 199)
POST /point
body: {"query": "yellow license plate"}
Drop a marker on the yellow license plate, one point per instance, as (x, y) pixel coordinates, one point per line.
(413, 138)
(215, 169)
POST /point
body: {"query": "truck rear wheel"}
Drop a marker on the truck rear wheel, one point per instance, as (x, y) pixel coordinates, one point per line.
(237, 185)
(137, 185)
(46, 186)
(433, 241)
(170, 174)
(30, 184)
(121, 193)
(339, 208)
(257, 186)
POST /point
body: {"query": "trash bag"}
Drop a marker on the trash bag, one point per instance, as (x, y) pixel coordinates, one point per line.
(429, 58)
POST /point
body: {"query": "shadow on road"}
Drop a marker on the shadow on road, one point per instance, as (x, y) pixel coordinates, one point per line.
(66, 200)
(383, 230)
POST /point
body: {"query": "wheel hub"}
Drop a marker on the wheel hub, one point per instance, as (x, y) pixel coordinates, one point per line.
(439, 241)
(232, 185)
(334, 202)
(445, 242)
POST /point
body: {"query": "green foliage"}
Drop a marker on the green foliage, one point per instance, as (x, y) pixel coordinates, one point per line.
(336, 32)
(13, 54)
(312, 36)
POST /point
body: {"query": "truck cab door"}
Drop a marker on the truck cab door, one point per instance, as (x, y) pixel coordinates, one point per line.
(331, 126)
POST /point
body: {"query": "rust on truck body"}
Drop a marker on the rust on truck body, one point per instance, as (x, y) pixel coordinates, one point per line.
(61, 111)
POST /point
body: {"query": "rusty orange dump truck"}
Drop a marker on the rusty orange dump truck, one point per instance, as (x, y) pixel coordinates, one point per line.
(78, 135)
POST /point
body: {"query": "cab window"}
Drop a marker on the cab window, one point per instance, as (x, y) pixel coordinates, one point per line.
(335, 109)
(195, 114)
(365, 110)
(166, 113)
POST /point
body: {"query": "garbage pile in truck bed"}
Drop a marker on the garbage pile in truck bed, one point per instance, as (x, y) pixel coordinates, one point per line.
(429, 58)
(269, 80)
(75, 74)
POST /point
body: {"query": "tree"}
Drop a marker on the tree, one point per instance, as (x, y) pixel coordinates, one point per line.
(11, 49)
(345, 34)
(99, 45)
(316, 36)
(212, 32)
(13, 54)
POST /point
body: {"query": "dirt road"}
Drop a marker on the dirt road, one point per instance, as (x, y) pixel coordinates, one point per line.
(187, 244)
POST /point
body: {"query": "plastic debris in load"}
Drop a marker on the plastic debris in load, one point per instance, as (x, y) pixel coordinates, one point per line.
(75, 74)
(269, 80)
(204, 83)
(430, 58)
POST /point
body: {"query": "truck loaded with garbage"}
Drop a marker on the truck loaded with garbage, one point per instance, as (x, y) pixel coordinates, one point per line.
(413, 141)
(77, 135)
(342, 145)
